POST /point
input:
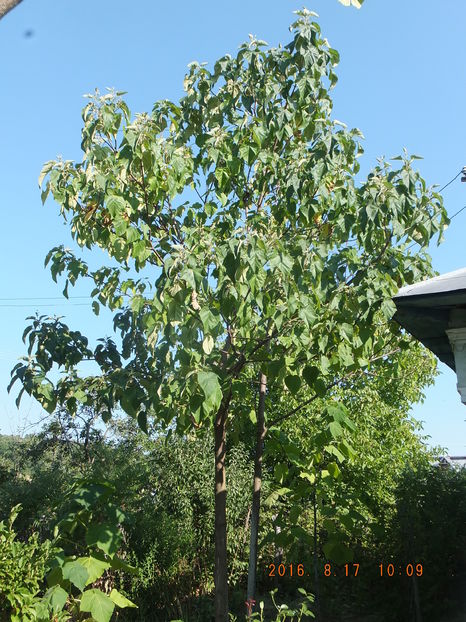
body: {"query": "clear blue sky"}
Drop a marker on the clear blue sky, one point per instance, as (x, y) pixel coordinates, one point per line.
(401, 81)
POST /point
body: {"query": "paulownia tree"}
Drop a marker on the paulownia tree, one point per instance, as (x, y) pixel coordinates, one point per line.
(239, 241)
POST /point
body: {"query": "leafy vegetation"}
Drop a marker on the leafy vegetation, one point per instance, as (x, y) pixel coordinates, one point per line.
(22, 570)
(378, 508)
(25, 565)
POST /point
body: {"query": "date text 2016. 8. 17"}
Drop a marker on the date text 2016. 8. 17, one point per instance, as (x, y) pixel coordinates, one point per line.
(298, 570)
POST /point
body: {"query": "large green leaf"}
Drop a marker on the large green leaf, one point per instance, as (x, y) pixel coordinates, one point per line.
(95, 567)
(310, 375)
(293, 383)
(210, 385)
(115, 205)
(98, 604)
(210, 321)
(118, 564)
(248, 153)
(56, 597)
(231, 264)
(120, 600)
(333, 469)
(335, 429)
(106, 537)
(75, 572)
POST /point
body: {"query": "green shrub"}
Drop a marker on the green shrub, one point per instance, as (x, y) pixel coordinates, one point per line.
(80, 576)
(23, 566)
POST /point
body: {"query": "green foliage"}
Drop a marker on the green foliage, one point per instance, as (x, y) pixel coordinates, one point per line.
(91, 534)
(171, 523)
(375, 507)
(257, 248)
(282, 612)
(165, 488)
(429, 527)
(38, 469)
(279, 260)
(22, 570)
(348, 455)
(25, 565)
(98, 604)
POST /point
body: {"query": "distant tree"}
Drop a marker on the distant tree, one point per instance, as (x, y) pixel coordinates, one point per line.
(258, 250)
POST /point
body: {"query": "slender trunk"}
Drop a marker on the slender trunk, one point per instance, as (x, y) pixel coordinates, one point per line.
(405, 514)
(221, 569)
(86, 442)
(278, 553)
(316, 562)
(256, 493)
(417, 603)
(6, 6)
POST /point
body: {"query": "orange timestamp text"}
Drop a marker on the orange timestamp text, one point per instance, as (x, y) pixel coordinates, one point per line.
(347, 570)
(288, 570)
(299, 570)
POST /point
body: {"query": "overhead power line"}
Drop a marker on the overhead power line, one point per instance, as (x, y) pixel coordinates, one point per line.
(458, 212)
(450, 218)
(82, 304)
(451, 180)
(51, 304)
(45, 298)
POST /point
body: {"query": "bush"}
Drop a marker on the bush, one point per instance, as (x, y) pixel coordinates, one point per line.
(23, 566)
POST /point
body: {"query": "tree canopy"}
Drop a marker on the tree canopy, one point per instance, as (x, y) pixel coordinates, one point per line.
(238, 239)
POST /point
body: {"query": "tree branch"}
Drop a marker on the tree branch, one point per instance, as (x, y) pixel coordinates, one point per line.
(329, 386)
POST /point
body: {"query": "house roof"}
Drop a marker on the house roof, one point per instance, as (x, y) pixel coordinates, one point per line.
(423, 309)
(448, 286)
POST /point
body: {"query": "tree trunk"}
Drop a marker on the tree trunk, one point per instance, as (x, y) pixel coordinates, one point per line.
(256, 493)
(221, 569)
(6, 6)
(316, 563)
(278, 552)
(417, 602)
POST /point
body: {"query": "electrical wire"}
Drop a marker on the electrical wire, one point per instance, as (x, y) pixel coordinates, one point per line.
(458, 212)
(451, 181)
(82, 304)
(44, 298)
(51, 304)
(450, 218)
